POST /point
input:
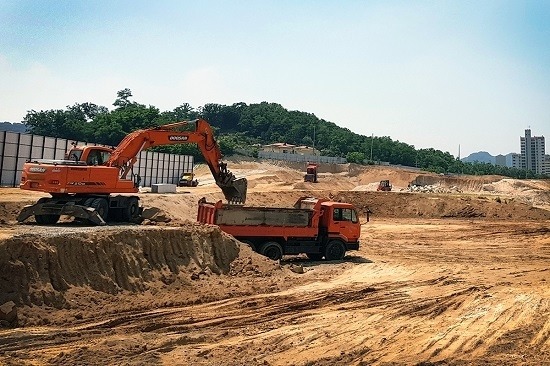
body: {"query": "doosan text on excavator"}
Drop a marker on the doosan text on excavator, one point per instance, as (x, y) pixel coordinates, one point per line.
(93, 182)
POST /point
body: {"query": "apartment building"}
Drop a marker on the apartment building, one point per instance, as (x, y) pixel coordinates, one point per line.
(533, 156)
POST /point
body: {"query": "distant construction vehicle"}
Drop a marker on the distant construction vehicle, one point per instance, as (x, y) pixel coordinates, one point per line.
(83, 184)
(317, 227)
(187, 179)
(384, 186)
(311, 173)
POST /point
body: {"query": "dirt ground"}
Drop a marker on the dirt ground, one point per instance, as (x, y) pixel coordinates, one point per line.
(458, 277)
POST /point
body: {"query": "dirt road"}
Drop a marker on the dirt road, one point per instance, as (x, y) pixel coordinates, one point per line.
(425, 288)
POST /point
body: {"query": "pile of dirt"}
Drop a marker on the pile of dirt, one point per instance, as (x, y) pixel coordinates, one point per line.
(61, 274)
(409, 205)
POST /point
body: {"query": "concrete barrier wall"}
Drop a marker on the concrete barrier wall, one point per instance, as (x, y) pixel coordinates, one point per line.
(301, 158)
(321, 168)
(16, 148)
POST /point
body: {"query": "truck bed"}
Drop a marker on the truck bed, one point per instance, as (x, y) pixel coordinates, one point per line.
(253, 223)
(255, 216)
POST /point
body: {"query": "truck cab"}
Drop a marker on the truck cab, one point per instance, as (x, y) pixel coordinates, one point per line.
(341, 221)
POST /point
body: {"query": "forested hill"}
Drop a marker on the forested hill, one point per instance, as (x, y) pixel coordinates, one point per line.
(243, 126)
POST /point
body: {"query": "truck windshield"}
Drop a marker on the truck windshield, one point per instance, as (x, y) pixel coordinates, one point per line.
(344, 214)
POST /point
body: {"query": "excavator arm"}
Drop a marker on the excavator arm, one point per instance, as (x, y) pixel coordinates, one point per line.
(124, 156)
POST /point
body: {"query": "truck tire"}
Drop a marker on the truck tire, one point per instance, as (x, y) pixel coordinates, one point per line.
(315, 256)
(101, 206)
(46, 219)
(272, 250)
(335, 250)
(250, 244)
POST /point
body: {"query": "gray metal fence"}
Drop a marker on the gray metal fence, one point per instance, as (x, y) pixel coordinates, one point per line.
(16, 148)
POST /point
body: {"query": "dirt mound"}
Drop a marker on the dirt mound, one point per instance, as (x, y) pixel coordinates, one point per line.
(405, 205)
(78, 271)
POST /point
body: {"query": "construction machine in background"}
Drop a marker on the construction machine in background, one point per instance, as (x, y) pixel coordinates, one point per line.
(84, 184)
(311, 173)
(384, 186)
(187, 179)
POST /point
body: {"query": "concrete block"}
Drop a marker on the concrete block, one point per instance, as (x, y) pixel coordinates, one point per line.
(163, 188)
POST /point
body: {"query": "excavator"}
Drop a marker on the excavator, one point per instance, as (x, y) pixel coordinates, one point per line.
(83, 185)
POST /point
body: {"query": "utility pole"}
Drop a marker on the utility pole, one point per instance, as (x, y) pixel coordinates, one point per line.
(371, 143)
(314, 140)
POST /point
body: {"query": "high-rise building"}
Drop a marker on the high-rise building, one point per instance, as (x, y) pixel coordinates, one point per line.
(546, 165)
(500, 160)
(516, 160)
(532, 155)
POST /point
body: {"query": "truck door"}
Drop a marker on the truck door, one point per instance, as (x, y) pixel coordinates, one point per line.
(347, 223)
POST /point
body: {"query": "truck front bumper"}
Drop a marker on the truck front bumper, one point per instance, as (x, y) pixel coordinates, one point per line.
(352, 246)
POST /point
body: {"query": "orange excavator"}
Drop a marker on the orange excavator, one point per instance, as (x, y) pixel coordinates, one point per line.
(83, 185)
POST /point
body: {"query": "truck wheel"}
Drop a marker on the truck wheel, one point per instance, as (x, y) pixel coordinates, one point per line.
(250, 244)
(131, 211)
(272, 250)
(101, 206)
(335, 251)
(46, 219)
(315, 256)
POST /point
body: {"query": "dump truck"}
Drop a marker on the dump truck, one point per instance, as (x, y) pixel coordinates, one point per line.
(317, 227)
(311, 173)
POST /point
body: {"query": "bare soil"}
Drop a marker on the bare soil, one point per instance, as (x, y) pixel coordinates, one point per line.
(458, 278)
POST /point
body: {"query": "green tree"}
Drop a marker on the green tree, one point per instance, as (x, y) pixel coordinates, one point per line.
(123, 98)
(355, 157)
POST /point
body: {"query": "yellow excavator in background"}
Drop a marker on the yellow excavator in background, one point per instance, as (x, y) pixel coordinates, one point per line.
(187, 179)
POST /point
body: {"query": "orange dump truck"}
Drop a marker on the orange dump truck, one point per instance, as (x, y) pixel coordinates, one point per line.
(316, 227)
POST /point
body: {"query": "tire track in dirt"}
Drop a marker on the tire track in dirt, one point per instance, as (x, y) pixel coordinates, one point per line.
(362, 322)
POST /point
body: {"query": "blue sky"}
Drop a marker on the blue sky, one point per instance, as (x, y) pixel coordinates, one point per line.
(428, 73)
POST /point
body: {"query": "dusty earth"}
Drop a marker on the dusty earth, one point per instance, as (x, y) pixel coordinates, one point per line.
(454, 278)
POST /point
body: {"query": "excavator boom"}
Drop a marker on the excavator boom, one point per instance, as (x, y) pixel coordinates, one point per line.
(123, 157)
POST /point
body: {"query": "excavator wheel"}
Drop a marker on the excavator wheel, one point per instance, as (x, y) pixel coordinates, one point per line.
(46, 219)
(87, 203)
(131, 211)
(101, 206)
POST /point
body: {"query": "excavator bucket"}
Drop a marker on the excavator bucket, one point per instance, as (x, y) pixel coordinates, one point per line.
(234, 190)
